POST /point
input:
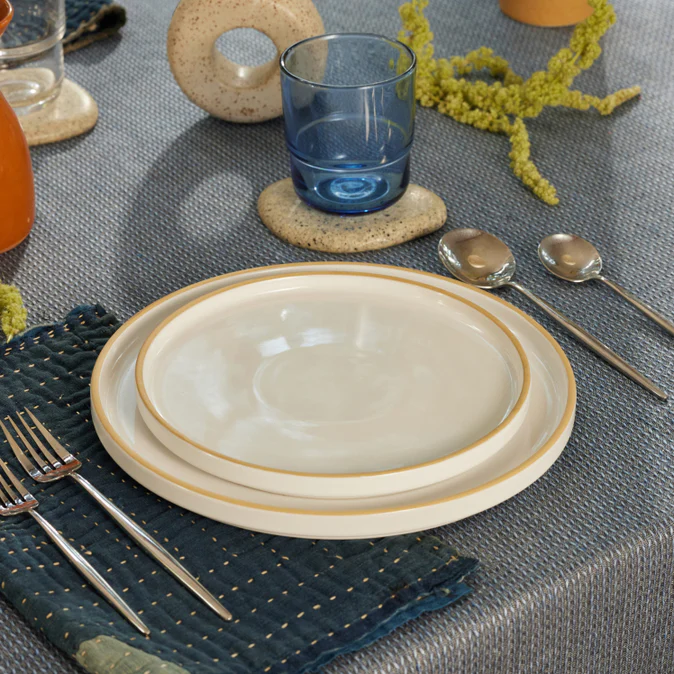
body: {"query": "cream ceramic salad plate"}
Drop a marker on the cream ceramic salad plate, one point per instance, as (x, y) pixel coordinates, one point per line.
(535, 446)
(332, 385)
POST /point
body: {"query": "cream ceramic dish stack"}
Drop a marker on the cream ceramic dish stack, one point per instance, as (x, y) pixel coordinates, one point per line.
(338, 400)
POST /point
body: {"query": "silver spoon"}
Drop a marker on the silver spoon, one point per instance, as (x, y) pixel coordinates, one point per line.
(482, 260)
(574, 259)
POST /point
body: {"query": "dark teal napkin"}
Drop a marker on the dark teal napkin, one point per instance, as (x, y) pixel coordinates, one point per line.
(86, 22)
(297, 603)
(90, 20)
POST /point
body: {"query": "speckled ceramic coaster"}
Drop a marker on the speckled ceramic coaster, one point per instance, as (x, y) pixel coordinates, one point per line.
(72, 113)
(417, 213)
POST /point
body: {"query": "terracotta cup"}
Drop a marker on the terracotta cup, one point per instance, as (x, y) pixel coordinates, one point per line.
(17, 194)
(547, 12)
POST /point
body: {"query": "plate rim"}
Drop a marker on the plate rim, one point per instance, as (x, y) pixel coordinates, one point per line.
(150, 407)
(567, 416)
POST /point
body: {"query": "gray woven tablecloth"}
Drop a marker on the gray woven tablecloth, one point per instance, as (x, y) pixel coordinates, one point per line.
(159, 196)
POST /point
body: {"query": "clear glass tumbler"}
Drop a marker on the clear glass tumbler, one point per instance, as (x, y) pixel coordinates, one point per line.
(348, 105)
(31, 54)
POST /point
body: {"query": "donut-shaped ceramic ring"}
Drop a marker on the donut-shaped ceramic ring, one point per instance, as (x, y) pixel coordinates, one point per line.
(225, 89)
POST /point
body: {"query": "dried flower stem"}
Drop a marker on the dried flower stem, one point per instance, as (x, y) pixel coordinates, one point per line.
(12, 312)
(502, 106)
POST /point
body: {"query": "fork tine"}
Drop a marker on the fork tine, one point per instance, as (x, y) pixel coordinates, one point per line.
(4, 489)
(17, 485)
(25, 462)
(62, 452)
(55, 463)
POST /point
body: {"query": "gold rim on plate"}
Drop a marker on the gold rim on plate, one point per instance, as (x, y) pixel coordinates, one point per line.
(151, 408)
(544, 449)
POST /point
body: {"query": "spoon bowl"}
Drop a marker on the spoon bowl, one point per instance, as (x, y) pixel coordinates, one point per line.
(477, 258)
(482, 260)
(570, 257)
(574, 259)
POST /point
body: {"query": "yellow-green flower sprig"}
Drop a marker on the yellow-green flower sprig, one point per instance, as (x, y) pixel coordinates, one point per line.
(502, 106)
(12, 312)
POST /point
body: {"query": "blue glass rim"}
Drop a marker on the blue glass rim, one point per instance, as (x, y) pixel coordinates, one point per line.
(333, 36)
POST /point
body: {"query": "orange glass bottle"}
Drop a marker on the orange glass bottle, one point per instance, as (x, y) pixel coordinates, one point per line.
(17, 194)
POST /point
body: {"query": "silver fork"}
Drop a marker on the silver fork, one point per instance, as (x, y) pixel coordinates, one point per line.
(18, 500)
(66, 465)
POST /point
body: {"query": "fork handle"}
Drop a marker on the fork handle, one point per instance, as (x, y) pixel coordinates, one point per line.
(154, 549)
(87, 570)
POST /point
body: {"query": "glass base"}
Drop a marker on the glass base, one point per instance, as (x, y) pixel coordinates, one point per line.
(350, 190)
(31, 74)
(29, 89)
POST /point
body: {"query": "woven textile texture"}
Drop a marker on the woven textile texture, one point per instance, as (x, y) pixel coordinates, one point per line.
(296, 603)
(576, 571)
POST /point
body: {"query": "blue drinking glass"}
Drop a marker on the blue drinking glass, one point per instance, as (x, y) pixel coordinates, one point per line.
(348, 105)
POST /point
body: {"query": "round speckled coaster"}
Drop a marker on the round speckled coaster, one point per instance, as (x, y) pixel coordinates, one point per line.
(71, 113)
(417, 213)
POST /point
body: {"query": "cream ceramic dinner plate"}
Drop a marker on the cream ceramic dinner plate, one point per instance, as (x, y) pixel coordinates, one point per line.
(332, 385)
(535, 447)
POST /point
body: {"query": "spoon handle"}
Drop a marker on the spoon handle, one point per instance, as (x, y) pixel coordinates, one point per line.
(582, 335)
(645, 309)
